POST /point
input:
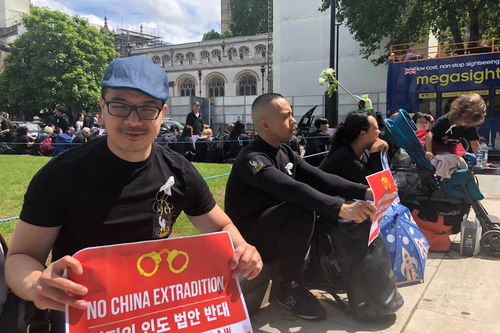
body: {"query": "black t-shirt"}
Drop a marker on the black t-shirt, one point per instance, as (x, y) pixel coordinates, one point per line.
(166, 140)
(185, 147)
(78, 139)
(445, 133)
(88, 121)
(344, 163)
(196, 122)
(294, 144)
(11, 135)
(62, 122)
(236, 143)
(21, 146)
(264, 176)
(316, 143)
(201, 149)
(117, 201)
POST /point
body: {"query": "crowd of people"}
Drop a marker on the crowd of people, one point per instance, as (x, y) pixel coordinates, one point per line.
(55, 139)
(198, 143)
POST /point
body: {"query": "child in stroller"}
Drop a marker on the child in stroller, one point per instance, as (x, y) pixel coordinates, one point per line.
(448, 131)
(457, 193)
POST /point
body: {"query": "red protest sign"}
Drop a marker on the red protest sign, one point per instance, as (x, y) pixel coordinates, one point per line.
(170, 285)
(384, 192)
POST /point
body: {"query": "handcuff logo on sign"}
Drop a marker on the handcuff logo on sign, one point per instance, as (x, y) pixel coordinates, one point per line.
(156, 257)
(386, 183)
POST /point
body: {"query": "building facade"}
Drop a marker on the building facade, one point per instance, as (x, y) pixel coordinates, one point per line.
(11, 27)
(225, 76)
(229, 67)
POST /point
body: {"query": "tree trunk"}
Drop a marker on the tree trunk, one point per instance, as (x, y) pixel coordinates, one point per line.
(473, 29)
(457, 37)
(474, 21)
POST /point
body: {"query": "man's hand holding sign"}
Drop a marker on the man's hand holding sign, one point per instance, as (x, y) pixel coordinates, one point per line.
(358, 211)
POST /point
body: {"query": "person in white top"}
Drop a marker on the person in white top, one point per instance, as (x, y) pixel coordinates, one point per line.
(79, 124)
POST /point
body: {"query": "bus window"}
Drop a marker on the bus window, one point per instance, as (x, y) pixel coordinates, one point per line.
(496, 110)
(446, 104)
(448, 97)
(427, 103)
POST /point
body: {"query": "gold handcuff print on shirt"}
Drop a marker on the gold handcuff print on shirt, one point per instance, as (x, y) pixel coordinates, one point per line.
(161, 205)
(156, 257)
(164, 210)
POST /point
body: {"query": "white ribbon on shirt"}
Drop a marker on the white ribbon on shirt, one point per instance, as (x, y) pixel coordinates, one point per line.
(289, 167)
(450, 129)
(167, 188)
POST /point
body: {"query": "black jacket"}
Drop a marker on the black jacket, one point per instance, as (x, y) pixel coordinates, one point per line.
(62, 122)
(236, 144)
(21, 145)
(294, 144)
(266, 176)
(185, 147)
(9, 136)
(88, 121)
(167, 140)
(195, 122)
(202, 147)
(78, 139)
(317, 143)
(344, 163)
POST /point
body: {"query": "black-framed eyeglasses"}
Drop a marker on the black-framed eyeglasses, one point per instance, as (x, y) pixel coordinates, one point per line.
(122, 110)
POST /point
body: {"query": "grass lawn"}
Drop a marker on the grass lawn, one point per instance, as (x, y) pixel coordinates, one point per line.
(17, 172)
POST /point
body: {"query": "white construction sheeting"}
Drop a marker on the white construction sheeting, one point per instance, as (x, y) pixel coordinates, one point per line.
(302, 50)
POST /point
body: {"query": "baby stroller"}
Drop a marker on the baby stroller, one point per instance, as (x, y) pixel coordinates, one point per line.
(458, 193)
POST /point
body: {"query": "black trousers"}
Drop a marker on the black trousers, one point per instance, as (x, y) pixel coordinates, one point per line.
(283, 232)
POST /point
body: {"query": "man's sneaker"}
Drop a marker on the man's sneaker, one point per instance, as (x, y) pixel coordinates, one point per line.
(300, 301)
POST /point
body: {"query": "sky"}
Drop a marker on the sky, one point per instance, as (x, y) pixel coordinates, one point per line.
(176, 21)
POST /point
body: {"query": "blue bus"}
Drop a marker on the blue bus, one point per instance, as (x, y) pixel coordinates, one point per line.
(429, 82)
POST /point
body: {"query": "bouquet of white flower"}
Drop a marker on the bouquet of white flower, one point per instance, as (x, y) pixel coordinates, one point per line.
(331, 82)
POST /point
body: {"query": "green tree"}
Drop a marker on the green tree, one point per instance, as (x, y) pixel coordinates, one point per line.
(211, 35)
(249, 17)
(377, 24)
(226, 34)
(58, 60)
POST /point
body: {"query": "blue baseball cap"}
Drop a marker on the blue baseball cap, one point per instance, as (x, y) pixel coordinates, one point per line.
(137, 73)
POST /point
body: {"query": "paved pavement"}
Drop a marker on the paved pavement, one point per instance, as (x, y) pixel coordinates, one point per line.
(489, 185)
(460, 295)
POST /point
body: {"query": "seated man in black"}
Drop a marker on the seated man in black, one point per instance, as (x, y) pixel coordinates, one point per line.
(318, 142)
(272, 196)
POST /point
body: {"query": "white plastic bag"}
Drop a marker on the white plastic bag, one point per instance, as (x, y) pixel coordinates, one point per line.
(470, 237)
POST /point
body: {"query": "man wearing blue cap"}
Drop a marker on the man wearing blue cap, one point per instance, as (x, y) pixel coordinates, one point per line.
(143, 190)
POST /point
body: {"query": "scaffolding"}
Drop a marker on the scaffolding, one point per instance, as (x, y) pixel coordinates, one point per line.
(128, 40)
